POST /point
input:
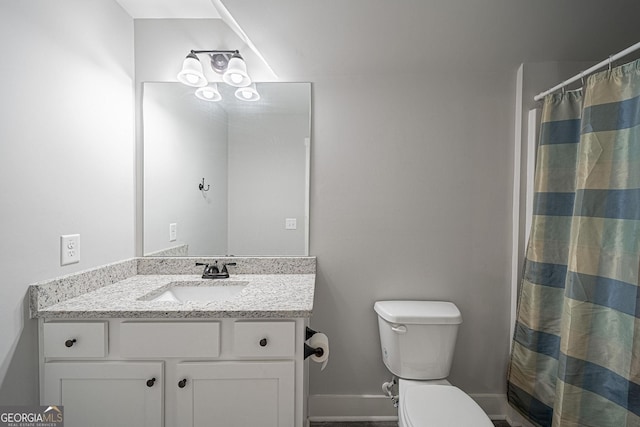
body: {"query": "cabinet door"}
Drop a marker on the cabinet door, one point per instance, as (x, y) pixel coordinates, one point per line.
(106, 394)
(236, 394)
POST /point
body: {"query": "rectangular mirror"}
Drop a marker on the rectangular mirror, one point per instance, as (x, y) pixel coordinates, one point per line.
(228, 177)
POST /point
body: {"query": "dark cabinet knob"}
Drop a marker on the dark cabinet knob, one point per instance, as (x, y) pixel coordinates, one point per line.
(263, 342)
(151, 382)
(182, 383)
(70, 343)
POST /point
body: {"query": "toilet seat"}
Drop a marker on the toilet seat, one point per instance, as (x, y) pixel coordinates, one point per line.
(440, 406)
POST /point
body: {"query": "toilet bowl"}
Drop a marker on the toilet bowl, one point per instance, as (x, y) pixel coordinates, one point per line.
(417, 340)
(438, 405)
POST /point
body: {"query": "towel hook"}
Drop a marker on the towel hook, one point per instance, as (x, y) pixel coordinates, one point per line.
(201, 186)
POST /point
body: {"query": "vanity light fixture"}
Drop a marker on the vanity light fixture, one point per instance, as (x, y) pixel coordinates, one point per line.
(229, 63)
(191, 73)
(248, 93)
(219, 62)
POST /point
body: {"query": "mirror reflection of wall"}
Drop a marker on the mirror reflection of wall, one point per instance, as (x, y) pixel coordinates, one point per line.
(253, 158)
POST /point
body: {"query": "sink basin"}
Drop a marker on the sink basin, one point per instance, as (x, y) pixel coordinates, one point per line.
(198, 291)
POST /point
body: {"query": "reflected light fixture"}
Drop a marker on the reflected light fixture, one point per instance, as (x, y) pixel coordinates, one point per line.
(209, 92)
(248, 93)
(229, 63)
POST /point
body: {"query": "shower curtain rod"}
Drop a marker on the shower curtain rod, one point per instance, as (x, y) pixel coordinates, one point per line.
(585, 73)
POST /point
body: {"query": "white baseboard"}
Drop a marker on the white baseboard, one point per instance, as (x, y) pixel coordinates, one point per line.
(351, 407)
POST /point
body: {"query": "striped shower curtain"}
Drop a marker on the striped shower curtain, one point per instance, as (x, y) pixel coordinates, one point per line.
(576, 349)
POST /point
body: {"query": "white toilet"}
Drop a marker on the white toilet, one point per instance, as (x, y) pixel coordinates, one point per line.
(418, 339)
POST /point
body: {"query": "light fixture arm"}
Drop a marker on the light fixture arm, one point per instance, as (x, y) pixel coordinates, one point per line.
(214, 52)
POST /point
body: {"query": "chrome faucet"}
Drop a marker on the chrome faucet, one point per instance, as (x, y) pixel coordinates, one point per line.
(211, 271)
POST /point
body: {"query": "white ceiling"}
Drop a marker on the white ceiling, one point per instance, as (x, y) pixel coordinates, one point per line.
(169, 9)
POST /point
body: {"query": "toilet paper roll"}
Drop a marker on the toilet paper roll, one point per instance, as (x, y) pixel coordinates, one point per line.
(320, 340)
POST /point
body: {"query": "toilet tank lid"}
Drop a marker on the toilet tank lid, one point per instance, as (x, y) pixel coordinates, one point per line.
(419, 312)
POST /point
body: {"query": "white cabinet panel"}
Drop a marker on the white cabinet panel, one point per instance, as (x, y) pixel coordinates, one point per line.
(75, 339)
(264, 339)
(169, 339)
(236, 394)
(106, 394)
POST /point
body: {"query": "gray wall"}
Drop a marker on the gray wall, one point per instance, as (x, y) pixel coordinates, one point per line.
(185, 141)
(67, 133)
(410, 199)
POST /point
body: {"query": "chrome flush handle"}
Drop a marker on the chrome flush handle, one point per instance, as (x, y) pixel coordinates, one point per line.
(399, 329)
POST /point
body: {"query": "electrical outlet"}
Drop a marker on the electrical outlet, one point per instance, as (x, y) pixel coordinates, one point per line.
(69, 249)
(173, 232)
(290, 224)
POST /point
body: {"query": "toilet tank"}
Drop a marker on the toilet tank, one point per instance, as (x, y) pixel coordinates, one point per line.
(418, 338)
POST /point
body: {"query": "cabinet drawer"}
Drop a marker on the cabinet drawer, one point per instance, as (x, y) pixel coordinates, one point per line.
(264, 339)
(75, 339)
(170, 339)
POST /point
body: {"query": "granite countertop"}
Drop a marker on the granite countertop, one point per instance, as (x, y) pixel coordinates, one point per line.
(265, 296)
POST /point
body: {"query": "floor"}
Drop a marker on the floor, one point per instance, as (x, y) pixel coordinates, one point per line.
(378, 424)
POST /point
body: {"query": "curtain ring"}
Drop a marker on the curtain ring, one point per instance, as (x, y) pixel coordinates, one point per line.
(610, 61)
(582, 77)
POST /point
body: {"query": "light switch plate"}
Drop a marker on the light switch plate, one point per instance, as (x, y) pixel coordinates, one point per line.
(69, 249)
(173, 232)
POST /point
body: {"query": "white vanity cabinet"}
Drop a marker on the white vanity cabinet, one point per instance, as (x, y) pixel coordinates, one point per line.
(175, 373)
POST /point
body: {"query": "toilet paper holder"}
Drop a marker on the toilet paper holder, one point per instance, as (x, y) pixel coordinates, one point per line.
(308, 350)
(309, 333)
